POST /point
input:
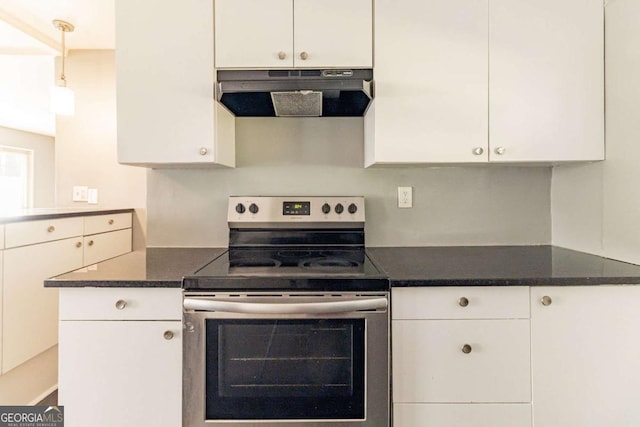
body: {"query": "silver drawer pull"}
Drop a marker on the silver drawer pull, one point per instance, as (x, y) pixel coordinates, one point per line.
(78, 244)
(111, 222)
(121, 304)
(466, 349)
(463, 302)
(90, 243)
(546, 300)
(51, 229)
(167, 335)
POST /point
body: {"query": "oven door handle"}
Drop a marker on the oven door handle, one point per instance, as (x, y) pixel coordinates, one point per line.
(280, 308)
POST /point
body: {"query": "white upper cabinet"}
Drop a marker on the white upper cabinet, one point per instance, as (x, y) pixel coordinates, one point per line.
(167, 114)
(431, 82)
(466, 81)
(293, 33)
(546, 99)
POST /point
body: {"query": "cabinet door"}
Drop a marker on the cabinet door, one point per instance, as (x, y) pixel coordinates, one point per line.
(254, 33)
(333, 33)
(431, 364)
(29, 310)
(99, 247)
(165, 85)
(122, 374)
(585, 348)
(448, 415)
(546, 98)
(431, 76)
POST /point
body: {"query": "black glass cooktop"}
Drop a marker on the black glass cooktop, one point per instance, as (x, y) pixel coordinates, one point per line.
(328, 268)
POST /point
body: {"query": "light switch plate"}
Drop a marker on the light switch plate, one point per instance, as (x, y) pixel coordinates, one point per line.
(80, 193)
(92, 196)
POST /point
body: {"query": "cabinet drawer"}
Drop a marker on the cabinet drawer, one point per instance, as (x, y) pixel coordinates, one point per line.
(30, 232)
(2, 236)
(485, 415)
(429, 364)
(134, 303)
(103, 223)
(479, 302)
(99, 247)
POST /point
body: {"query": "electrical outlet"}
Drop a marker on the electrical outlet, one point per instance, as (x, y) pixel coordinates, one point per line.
(80, 193)
(405, 197)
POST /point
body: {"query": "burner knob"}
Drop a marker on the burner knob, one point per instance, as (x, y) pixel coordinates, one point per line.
(240, 208)
(253, 208)
(339, 208)
(326, 208)
(353, 208)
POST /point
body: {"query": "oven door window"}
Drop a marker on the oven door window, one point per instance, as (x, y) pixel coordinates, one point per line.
(285, 369)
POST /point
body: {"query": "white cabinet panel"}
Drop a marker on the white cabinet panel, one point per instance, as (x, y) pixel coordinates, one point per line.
(585, 348)
(124, 374)
(429, 364)
(30, 232)
(474, 302)
(99, 247)
(250, 33)
(30, 311)
(139, 304)
(333, 33)
(103, 223)
(431, 76)
(165, 85)
(546, 98)
(1, 236)
(477, 415)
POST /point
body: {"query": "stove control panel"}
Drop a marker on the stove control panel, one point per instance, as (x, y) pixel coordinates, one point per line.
(279, 211)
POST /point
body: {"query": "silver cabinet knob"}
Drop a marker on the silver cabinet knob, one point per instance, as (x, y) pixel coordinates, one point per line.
(304, 56)
(51, 229)
(500, 151)
(121, 304)
(282, 55)
(546, 300)
(90, 243)
(167, 335)
(478, 151)
(466, 349)
(78, 244)
(111, 222)
(463, 302)
(203, 151)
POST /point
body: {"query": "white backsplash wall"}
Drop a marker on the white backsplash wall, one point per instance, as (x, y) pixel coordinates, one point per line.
(475, 205)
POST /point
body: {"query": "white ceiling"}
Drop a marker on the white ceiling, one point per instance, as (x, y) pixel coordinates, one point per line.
(94, 21)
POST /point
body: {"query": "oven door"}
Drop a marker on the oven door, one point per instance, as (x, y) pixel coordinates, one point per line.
(301, 359)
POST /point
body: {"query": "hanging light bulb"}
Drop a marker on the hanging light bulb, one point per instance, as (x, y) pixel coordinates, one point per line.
(62, 99)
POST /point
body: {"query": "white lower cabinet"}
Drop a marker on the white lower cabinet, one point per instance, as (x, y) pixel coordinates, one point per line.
(114, 372)
(463, 359)
(30, 311)
(585, 344)
(458, 415)
(99, 247)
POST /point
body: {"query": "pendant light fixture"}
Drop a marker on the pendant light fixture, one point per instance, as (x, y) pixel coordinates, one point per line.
(62, 100)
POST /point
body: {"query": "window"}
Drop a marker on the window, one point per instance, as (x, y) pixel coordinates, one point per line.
(16, 178)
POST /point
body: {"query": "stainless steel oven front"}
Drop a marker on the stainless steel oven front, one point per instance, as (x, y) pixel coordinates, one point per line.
(307, 359)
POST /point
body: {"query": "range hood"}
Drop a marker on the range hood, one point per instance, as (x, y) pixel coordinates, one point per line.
(295, 93)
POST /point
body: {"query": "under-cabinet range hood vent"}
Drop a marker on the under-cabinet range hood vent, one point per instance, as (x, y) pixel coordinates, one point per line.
(295, 93)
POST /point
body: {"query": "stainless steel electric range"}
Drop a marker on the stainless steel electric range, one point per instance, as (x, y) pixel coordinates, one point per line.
(291, 324)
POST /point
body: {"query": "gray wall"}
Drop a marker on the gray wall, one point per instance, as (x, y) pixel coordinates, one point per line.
(43, 162)
(452, 206)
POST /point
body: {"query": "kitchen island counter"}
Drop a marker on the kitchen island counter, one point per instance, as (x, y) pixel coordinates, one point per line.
(499, 266)
(151, 267)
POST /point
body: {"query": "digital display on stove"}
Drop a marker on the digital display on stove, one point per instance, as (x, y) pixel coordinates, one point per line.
(296, 208)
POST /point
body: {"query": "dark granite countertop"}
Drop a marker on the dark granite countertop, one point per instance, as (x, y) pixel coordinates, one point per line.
(405, 266)
(153, 267)
(52, 213)
(499, 266)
